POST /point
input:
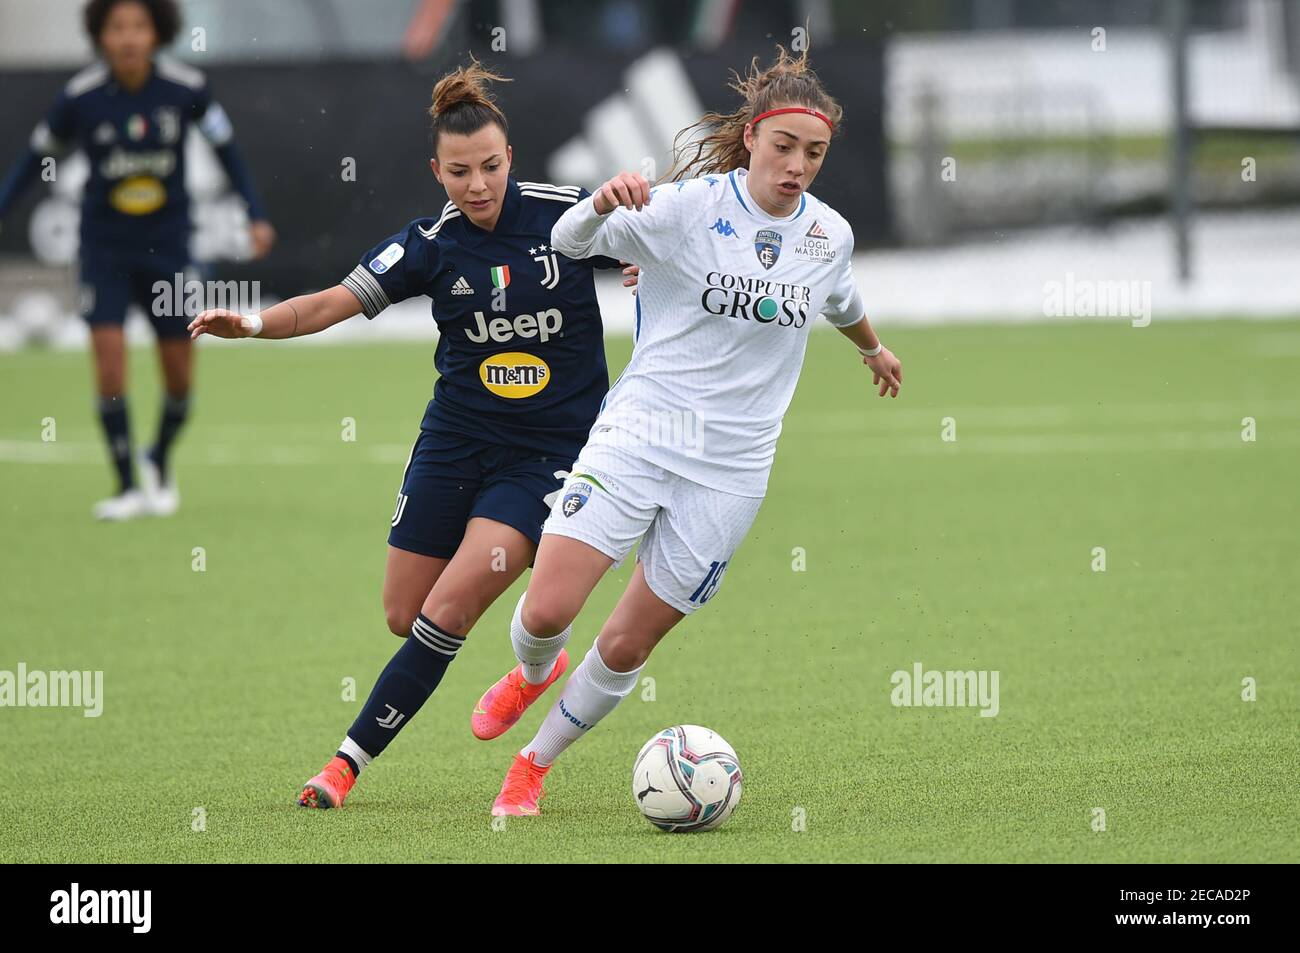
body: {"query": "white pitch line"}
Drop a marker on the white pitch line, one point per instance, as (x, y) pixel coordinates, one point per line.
(80, 453)
(392, 454)
(1018, 445)
(882, 413)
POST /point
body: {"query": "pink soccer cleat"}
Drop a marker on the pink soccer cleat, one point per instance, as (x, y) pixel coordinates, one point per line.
(504, 703)
(521, 792)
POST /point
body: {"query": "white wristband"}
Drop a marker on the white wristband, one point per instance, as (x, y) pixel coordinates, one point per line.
(252, 322)
(873, 352)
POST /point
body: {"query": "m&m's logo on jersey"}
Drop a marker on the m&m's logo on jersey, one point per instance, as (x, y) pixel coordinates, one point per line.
(514, 374)
(500, 276)
(138, 195)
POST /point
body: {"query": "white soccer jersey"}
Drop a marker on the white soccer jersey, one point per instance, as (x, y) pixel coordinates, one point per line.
(725, 301)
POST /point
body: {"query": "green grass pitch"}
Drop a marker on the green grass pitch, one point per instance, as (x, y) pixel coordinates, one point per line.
(1120, 690)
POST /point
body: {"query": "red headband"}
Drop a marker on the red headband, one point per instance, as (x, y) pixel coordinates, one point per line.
(794, 109)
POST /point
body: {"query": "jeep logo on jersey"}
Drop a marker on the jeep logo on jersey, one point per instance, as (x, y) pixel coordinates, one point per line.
(514, 374)
(756, 299)
(767, 246)
(542, 326)
(121, 163)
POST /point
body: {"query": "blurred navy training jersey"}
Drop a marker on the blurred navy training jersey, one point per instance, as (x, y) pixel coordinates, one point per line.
(520, 355)
(135, 141)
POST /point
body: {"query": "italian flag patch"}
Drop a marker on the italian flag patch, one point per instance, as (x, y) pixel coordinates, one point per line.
(500, 276)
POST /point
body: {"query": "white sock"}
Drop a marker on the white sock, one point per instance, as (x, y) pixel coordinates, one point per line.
(537, 655)
(356, 753)
(591, 693)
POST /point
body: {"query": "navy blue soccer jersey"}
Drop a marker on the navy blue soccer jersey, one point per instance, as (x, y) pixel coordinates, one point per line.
(520, 356)
(135, 196)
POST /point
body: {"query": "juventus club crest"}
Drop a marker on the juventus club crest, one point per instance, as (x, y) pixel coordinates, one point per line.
(168, 121)
(552, 265)
(767, 245)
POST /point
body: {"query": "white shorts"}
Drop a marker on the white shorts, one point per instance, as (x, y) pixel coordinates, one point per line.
(688, 531)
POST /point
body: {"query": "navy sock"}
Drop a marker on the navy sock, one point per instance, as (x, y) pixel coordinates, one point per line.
(117, 430)
(174, 412)
(404, 685)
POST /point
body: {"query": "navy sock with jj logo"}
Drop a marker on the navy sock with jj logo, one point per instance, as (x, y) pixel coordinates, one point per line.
(404, 686)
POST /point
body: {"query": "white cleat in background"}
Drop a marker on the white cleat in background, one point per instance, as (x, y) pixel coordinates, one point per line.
(125, 506)
(162, 499)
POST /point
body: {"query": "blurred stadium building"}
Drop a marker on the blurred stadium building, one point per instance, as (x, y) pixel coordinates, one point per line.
(990, 146)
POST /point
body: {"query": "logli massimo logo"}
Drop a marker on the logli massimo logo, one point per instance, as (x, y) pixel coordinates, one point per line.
(816, 245)
(514, 374)
(756, 299)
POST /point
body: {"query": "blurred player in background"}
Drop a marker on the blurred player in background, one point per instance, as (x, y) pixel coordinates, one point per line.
(738, 262)
(521, 364)
(130, 112)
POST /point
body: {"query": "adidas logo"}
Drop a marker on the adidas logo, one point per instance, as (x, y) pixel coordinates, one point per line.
(461, 287)
(658, 82)
(816, 231)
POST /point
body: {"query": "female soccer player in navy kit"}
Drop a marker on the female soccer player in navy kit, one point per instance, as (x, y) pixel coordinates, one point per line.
(130, 112)
(737, 262)
(522, 375)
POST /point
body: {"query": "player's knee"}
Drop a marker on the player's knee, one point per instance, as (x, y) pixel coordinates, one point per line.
(452, 616)
(546, 616)
(623, 651)
(399, 620)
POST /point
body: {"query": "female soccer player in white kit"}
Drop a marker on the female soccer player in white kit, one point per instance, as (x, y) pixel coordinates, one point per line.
(736, 264)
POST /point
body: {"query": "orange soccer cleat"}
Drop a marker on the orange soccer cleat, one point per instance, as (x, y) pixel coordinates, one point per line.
(521, 792)
(504, 703)
(330, 787)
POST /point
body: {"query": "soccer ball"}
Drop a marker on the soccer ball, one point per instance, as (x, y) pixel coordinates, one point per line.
(686, 778)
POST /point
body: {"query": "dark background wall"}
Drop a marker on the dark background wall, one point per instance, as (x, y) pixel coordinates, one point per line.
(296, 124)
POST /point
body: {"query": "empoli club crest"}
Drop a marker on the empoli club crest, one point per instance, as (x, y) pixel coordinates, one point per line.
(767, 245)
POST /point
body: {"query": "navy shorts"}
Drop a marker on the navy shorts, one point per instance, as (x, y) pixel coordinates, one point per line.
(452, 478)
(112, 279)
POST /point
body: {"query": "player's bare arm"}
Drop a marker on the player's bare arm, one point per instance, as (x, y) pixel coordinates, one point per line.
(886, 369)
(305, 314)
